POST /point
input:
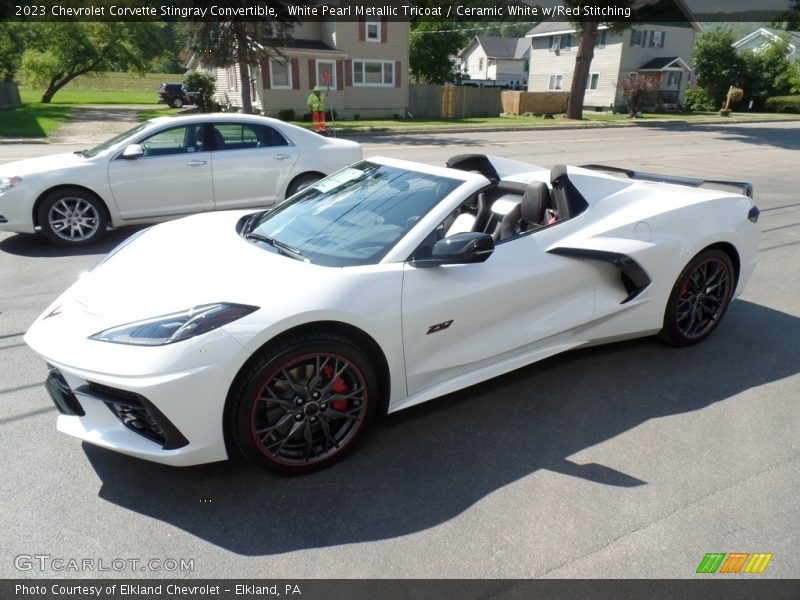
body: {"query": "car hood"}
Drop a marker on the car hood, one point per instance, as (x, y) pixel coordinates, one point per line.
(186, 263)
(42, 164)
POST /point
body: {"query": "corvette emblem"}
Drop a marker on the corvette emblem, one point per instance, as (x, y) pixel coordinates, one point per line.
(439, 327)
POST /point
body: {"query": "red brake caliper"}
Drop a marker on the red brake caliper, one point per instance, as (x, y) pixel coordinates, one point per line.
(338, 387)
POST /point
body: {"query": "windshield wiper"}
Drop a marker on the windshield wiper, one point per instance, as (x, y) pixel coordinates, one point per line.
(80, 152)
(280, 246)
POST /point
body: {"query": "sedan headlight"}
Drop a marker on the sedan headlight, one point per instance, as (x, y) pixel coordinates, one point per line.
(175, 327)
(6, 183)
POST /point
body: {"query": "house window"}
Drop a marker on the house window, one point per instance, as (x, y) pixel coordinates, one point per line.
(526, 65)
(594, 81)
(373, 25)
(280, 74)
(656, 39)
(326, 73)
(480, 64)
(674, 78)
(556, 82)
(639, 38)
(601, 39)
(233, 78)
(561, 42)
(373, 72)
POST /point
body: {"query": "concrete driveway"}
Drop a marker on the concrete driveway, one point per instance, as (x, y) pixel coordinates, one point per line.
(93, 124)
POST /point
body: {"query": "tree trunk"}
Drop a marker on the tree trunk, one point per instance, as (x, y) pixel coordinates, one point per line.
(244, 69)
(56, 83)
(580, 76)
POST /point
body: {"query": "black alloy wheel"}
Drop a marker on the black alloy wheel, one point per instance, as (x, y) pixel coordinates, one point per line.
(304, 404)
(699, 299)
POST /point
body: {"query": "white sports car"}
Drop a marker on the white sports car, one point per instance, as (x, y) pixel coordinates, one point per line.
(162, 169)
(281, 333)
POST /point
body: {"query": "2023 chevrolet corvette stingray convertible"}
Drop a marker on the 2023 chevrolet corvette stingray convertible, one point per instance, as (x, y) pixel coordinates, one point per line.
(280, 334)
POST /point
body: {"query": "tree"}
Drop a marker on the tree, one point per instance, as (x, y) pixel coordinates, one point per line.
(63, 51)
(237, 42)
(636, 91)
(580, 74)
(11, 47)
(430, 46)
(588, 31)
(768, 71)
(718, 64)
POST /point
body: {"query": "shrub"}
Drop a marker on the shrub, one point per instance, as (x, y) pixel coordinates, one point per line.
(203, 83)
(356, 116)
(698, 99)
(784, 104)
(287, 114)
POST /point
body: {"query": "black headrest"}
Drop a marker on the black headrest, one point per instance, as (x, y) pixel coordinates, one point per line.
(534, 202)
(474, 162)
(557, 172)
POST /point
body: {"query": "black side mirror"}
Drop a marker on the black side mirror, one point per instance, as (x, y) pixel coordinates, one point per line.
(461, 248)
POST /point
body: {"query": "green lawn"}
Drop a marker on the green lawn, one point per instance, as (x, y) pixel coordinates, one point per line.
(33, 120)
(70, 95)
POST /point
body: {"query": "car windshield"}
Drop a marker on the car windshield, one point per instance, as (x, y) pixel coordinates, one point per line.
(353, 217)
(113, 141)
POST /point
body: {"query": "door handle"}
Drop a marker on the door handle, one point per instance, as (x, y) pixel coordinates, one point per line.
(196, 163)
(282, 156)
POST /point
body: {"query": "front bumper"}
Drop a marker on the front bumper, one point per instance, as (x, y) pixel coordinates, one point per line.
(163, 404)
(16, 210)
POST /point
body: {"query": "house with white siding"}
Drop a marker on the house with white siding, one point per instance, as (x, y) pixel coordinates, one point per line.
(498, 60)
(660, 51)
(763, 36)
(363, 63)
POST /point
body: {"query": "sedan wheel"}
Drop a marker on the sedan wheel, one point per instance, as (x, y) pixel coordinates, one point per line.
(72, 218)
(304, 404)
(699, 299)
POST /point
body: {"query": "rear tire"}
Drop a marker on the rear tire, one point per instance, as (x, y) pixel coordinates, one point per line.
(303, 404)
(699, 299)
(177, 103)
(301, 182)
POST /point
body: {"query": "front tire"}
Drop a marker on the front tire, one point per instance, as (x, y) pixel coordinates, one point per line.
(304, 403)
(699, 299)
(72, 217)
(177, 103)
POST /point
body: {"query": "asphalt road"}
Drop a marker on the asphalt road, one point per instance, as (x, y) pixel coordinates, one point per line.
(630, 460)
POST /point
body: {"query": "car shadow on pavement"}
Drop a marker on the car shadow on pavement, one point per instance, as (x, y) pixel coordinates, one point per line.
(426, 465)
(35, 246)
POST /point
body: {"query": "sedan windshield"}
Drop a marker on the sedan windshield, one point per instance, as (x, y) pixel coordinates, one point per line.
(353, 217)
(113, 141)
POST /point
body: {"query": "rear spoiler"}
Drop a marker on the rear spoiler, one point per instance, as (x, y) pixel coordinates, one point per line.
(745, 186)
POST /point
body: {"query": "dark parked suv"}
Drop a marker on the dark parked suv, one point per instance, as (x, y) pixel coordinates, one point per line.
(173, 94)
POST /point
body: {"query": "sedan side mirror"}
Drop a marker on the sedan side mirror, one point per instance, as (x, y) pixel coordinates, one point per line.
(133, 151)
(461, 248)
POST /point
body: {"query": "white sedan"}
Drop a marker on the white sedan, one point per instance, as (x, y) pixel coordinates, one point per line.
(162, 169)
(281, 333)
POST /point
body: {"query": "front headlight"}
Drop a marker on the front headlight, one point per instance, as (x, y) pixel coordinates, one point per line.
(6, 183)
(175, 327)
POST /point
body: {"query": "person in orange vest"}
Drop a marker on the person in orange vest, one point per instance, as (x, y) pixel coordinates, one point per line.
(316, 102)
